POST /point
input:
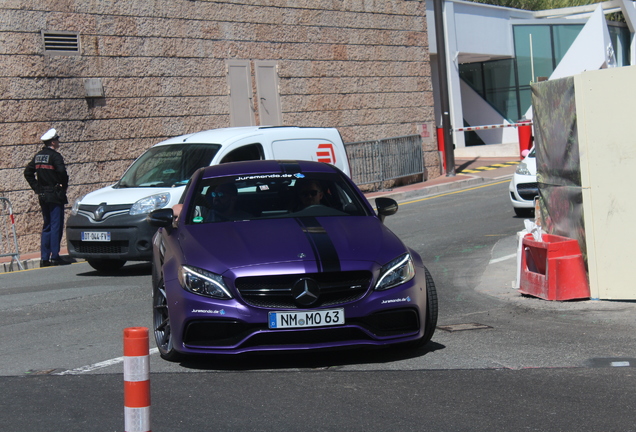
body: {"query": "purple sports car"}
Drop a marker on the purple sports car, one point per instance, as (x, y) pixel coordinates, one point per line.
(283, 255)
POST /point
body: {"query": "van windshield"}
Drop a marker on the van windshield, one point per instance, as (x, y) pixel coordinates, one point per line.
(168, 165)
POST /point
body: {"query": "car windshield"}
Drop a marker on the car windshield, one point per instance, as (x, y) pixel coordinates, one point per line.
(168, 165)
(273, 196)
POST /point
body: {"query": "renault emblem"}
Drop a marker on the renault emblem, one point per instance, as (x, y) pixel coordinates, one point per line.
(99, 212)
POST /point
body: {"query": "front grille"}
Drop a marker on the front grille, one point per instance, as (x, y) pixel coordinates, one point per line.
(113, 247)
(528, 191)
(276, 291)
(314, 336)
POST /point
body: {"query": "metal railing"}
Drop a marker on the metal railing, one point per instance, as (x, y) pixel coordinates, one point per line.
(8, 236)
(377, 161)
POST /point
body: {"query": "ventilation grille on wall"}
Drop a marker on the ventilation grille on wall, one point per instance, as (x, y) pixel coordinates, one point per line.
(61, 43)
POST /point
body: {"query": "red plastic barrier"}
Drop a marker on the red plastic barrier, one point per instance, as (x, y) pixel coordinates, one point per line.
(440, 147)
(553, 269)
(525, 136)
(136, 380)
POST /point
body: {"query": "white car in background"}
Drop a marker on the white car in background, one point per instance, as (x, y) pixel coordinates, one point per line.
(523, 186)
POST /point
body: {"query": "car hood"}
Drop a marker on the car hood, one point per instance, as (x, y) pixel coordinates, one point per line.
(112, 196)
(302, 244)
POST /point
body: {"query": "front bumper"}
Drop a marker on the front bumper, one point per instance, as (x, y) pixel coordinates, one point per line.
(130, 238)
(522, 191)
(201, 325)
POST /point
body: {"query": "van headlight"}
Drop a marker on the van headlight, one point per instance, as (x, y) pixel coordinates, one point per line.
(396, 272)
(76, 206)
(203, 282)
(148, 204)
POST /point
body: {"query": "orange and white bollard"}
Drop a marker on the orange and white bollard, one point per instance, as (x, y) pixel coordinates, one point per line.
(136, 380)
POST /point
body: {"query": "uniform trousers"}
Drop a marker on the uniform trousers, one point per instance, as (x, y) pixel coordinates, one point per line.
(52, 230)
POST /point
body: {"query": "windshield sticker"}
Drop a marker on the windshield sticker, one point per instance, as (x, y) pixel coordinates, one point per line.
(269, 176)
(398, 300)
(263, 187)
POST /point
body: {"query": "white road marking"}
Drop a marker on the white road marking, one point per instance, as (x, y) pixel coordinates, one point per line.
(100, 365)
(504, 258)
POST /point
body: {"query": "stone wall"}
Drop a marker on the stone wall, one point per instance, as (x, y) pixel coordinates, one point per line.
(360, 66)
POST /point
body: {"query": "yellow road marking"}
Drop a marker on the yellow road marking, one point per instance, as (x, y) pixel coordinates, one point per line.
(456, 192)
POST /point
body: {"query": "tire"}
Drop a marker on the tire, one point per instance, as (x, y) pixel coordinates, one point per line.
(430, 323)
(161, 324)
(106, 265)
(524, 212)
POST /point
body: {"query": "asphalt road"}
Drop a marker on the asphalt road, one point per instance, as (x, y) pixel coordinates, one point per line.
(522, 366)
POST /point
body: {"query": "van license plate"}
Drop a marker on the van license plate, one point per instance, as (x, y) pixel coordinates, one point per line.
(312, 318)
(99, 236)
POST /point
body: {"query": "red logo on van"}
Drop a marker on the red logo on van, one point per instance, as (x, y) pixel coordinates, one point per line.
(326, 153)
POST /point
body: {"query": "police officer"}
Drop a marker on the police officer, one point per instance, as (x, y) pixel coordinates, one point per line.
(47, 176)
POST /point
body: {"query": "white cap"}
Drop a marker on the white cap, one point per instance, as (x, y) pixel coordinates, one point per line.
(49, 135)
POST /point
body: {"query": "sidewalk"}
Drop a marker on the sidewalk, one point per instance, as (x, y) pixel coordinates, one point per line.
(469, 172)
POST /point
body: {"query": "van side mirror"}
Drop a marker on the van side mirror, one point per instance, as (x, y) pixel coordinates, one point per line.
(161, 218)
(386, 207)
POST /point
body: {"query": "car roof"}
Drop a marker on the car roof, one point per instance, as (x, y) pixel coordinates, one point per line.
(267, 167)
(231, 134)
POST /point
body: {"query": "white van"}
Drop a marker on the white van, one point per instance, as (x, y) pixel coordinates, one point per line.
(108, 227)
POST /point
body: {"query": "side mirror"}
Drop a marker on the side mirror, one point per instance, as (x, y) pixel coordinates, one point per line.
(161, 218)
(386, 207)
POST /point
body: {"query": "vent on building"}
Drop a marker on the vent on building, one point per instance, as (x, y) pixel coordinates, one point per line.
(61, 43)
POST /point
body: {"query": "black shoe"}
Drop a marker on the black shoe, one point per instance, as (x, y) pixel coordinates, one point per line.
(59, 262)
(45, 263)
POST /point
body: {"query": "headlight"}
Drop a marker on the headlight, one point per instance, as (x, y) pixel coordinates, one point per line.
(76, 206)
(395, 273)
(202, 282)
(148, 204)
(522, 169)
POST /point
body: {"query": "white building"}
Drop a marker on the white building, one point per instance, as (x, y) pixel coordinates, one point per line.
(495, 53)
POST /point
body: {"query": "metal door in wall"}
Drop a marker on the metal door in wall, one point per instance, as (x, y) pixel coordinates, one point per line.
(240, 83)
(269, 110)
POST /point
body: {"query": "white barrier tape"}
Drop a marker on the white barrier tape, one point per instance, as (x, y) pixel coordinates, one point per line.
(137, 419)
(474, 128)
(136, 368)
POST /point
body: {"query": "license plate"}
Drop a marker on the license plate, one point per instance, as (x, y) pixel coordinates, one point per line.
(313, 318)
(99, 236)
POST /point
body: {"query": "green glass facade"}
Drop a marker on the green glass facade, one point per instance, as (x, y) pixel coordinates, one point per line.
(505, 84)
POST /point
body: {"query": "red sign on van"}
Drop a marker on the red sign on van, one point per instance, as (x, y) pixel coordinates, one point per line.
(326, 153)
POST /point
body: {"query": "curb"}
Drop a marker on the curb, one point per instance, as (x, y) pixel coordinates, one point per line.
(425, 191)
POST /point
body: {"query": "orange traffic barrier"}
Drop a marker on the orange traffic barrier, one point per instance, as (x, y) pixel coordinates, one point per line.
(553, 269)
(136, 380)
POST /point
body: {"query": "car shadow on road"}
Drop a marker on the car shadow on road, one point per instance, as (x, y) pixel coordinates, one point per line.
(314, 360)
(134, 269)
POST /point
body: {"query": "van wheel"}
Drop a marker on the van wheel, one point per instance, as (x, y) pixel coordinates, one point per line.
(106, 265)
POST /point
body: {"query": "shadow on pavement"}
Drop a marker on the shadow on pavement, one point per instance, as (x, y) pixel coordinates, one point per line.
(307, 360)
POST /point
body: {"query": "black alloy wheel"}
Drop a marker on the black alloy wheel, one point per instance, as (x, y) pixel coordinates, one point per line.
(161, 323)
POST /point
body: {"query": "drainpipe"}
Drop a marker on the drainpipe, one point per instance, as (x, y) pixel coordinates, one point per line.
(443, 87)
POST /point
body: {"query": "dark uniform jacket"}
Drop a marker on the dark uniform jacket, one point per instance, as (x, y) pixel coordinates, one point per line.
(47, 176)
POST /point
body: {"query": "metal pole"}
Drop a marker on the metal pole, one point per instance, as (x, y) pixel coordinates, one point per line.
(443, 87)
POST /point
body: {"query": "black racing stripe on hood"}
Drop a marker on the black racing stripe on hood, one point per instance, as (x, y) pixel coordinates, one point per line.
(324, 249)
(290, 167)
